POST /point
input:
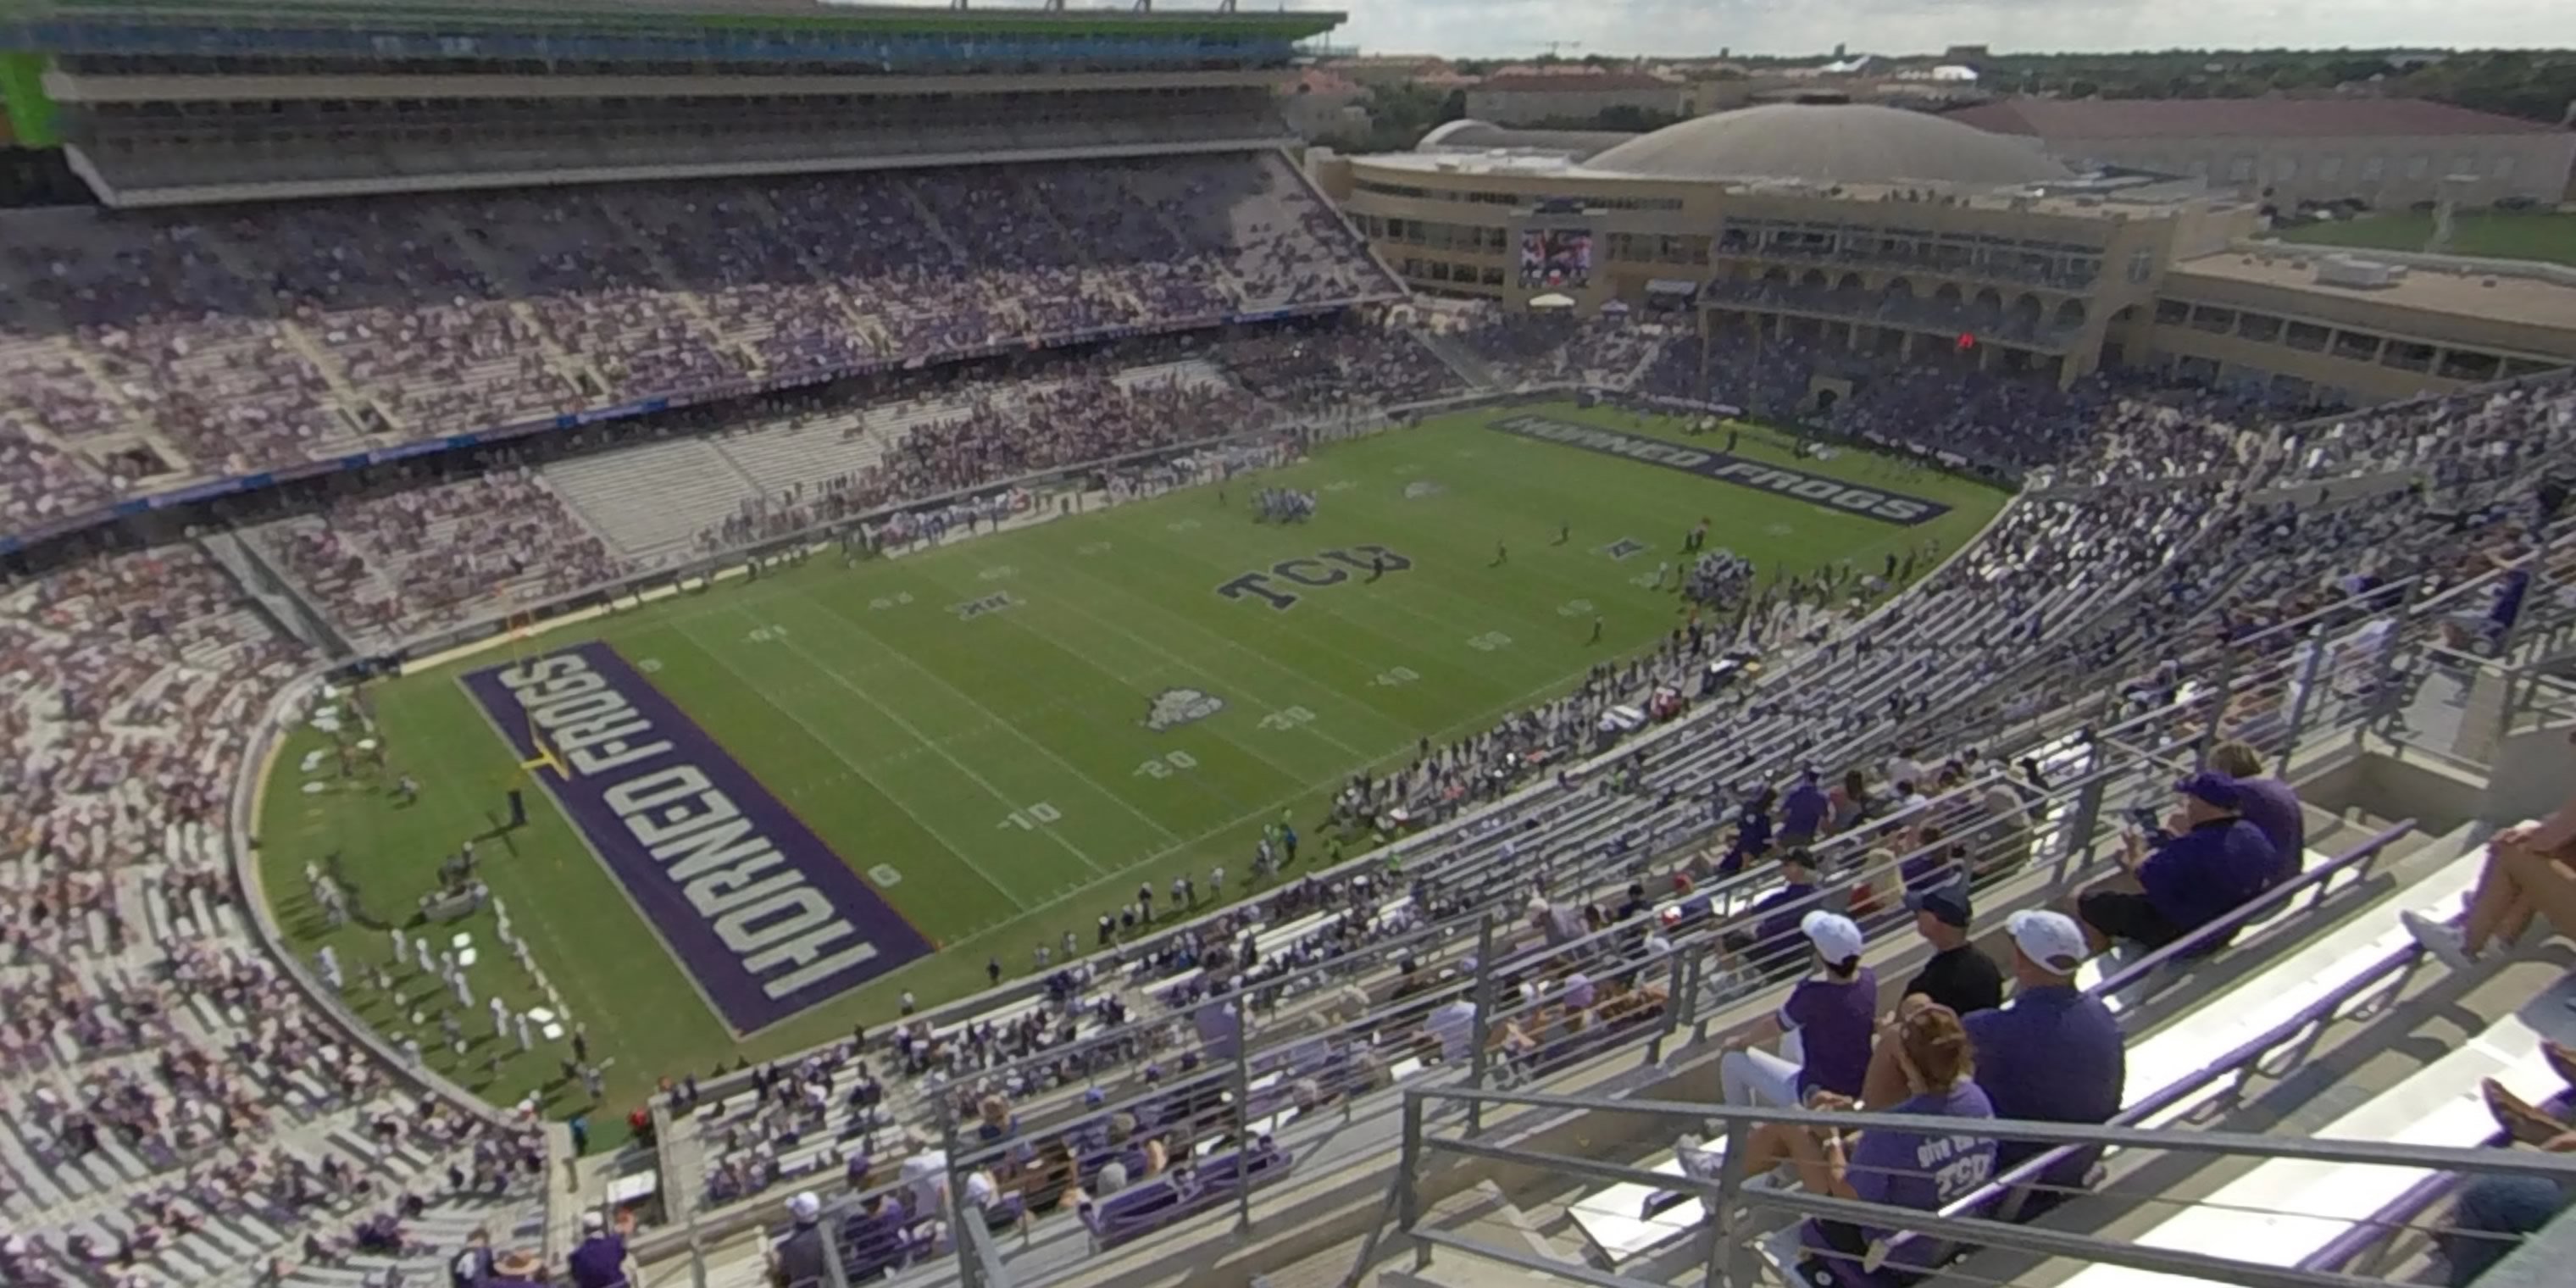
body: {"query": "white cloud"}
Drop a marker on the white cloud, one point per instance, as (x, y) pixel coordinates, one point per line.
(1487, 28)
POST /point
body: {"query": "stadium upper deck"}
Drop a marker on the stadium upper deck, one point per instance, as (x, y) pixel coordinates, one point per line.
(166, 103)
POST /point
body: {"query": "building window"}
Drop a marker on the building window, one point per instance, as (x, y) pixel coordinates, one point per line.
(2407, 355)
(2460, 365)
(2465, 164)
(2305, 335)
(2372, 168)
(2240, 169)
(2142, 265)
(2330, 168)
(2172, 312)
(2503, 167)
(2200, 167)
(2417, 165)
(2286, 170)
(1491, 276)
(2259, 326)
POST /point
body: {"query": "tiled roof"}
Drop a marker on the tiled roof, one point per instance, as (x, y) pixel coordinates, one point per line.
(1597, 83)
(2147, 118)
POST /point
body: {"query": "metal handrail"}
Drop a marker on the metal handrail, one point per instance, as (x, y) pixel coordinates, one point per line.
(1728, 1192)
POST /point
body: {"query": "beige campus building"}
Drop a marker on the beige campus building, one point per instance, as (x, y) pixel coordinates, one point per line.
(2385, 153)
(1900, 233)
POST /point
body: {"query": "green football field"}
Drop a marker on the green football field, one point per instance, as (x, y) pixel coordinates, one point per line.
(996, 773)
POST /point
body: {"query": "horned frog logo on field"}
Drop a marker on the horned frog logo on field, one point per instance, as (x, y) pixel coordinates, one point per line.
(1176, 707)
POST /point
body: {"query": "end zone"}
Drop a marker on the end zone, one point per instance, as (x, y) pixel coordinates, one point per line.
(1831, 493)
(763, 916)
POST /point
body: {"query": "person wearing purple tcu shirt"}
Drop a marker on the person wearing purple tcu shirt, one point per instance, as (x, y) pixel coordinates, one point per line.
(600, 1261)
(2269, 804)
(1832, 1011)
(1802, 813)
(1908, 1169)
(2054, 1054)
(2188, 879)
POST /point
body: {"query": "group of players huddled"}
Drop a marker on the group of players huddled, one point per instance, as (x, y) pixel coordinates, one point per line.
(1282, 505)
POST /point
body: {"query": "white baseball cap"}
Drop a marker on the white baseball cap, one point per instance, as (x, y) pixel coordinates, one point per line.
(805, 1207)
(594, 1220)
(2051, 940)
(1833, 934)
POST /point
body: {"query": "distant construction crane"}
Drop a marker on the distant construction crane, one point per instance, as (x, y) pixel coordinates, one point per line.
(1554, 46)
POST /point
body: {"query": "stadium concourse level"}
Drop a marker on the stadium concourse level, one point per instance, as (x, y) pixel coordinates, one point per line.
(149, 350)
(1942, 750)
(172, 1109)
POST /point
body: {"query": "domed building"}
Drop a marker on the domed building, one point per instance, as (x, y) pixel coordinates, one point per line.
(1873, 237)
(1831, 144)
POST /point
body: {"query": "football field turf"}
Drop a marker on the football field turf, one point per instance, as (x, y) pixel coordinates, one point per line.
(1003, 737)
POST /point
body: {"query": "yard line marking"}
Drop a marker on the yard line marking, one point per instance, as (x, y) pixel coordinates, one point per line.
(1486, 718)
(1331, 693)
(1041, 748)
(1220, 683)
(1127, 686)
(879, 788)
(914, 731)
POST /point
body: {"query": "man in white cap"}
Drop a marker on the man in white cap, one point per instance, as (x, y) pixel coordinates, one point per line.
(1834, 1010)
(2052, 1054)
(798, 1257)
(600, 1261)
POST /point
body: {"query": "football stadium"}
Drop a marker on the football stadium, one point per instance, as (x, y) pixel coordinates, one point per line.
(755, 643)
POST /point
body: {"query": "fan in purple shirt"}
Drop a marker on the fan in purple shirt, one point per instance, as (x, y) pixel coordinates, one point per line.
(1802, 813)
(1908, 1169)
(600, 1261)
(1832, 1011)
(2269, 804)
(1772, 944)
(2188, 880)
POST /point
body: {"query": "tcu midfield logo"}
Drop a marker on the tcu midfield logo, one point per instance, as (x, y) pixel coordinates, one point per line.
(1327, 568)
(1176, 707)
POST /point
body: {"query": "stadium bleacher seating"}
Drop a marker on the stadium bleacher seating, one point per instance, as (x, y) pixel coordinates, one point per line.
(177, 1111)
(1578, 837)
(180, 1111)
(280, 334)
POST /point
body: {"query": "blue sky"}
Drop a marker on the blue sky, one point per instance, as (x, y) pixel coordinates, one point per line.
(1487, 28)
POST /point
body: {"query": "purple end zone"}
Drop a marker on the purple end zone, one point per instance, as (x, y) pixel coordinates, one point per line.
(765, 917)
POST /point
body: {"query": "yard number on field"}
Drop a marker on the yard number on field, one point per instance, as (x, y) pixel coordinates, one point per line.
(1288, 719)
(1575, 608)
(767, 634)
(1092, 548)
(1167, 764)
(1394, 676)
(895, 600)
(1032, 818)
(1489, 642)
(884, 874)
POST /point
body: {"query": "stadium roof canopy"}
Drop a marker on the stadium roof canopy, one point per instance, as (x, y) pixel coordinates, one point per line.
(610, 15)
(1832, 143)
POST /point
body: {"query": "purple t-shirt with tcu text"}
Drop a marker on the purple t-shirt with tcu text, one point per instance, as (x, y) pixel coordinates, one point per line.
(1921, 1171)
(1835, 1022)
